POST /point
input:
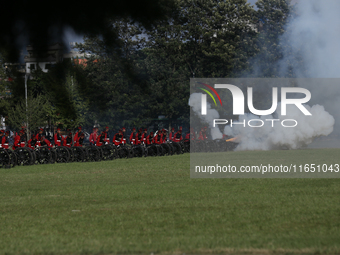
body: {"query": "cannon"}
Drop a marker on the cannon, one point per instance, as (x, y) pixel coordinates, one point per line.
(109, 152)
(178, 148)
(60, 154)
(125, 151)
(167, 149)
(139, 151)
(4, 158)
(53, 155)
(25, 156)
(13, 160)
(63, 154)
(43, 155)
(93, 153)
(152, 150)
(78, 154)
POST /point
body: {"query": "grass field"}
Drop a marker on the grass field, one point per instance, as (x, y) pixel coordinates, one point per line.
(150, 205)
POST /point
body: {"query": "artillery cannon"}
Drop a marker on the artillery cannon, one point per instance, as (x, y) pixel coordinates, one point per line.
(25, 156)
(93, 153)
(43, 155)
(63, 154)
(109, 152)
(4, 158)
(60, 154)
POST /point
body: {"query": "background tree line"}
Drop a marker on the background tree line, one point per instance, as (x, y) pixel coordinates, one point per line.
(136, 72)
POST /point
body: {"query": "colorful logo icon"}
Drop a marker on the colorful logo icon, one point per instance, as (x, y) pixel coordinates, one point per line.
(208, 92)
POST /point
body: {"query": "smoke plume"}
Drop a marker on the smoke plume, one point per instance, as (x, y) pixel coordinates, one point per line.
(314, 37)
(280, 137)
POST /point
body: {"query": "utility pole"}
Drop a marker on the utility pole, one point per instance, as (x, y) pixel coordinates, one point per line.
(28, 131)
(72, 84)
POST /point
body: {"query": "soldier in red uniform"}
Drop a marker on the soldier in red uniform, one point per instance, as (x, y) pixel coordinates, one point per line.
(138, 137)
(16, 143)
(118, 138)
(144, 136)
(2, 132)
(158, 138)
(203, 134)
(164, 139)
(5, 141)
(44, 142)
(149, 139)
(101, 139)
(190, 135)
(79, 132)
(123, 134)
(68, 140)
(32, 143)
(38, 136)
(58, 139)
(107, 137)
(80, 140)
(171, 134)
(23, 138)
(94, 136)
(19, 140)
(178, 136)
(132, 136)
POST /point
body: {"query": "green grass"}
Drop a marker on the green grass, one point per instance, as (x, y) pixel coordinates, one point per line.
(150, 205)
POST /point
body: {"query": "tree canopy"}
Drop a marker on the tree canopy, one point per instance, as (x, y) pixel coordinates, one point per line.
(136, 71)
(33, 22)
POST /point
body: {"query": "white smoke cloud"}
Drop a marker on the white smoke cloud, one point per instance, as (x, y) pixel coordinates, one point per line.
(195, 103)
(267, 137)
(314, 35)
(280, 137)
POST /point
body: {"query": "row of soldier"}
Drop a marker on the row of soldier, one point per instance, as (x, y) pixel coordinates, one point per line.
(20, 140)
(96, 138)
(136, 137)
